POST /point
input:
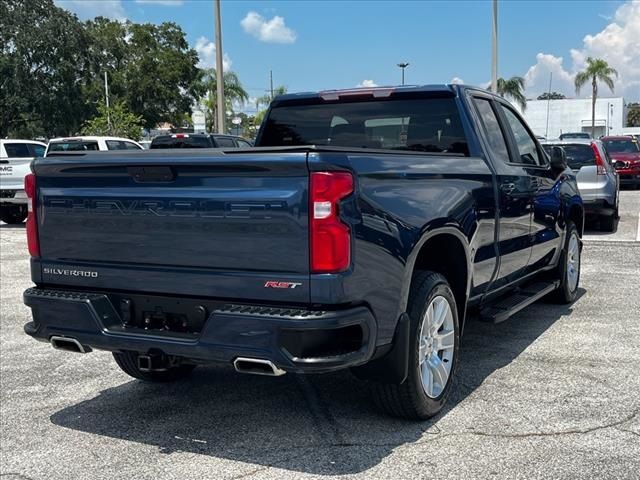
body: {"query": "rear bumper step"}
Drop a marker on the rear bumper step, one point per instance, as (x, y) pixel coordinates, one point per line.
(293, 339)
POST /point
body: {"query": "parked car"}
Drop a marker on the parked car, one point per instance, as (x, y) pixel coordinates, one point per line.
(598, 181)
(625, 151)
(199, 140)
(316, 251)
(574, 135)
(91, 143)
(145, 144)
(15, 158)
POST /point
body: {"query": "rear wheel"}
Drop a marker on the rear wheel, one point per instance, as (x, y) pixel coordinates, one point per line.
(608, 222)
(433, 352)
(13, 214)
(569, 267)
(128, 363)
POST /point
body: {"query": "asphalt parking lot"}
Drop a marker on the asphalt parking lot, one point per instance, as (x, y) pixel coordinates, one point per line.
(552, 393)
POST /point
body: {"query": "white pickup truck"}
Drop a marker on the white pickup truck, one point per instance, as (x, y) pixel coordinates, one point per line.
(15, 158)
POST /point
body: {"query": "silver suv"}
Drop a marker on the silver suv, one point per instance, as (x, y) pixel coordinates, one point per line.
(597, 179)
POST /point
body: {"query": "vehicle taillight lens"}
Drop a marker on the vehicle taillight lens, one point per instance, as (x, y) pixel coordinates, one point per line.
(32, 220)
(600, 168)
(330, 238)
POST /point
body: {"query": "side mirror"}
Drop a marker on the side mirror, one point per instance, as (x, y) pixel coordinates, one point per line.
(558, 158)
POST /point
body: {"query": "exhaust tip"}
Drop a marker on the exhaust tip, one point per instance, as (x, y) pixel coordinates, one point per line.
(257, 366)
(68, 344)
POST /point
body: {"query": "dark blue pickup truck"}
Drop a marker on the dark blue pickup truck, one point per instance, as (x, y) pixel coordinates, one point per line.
(362, 231)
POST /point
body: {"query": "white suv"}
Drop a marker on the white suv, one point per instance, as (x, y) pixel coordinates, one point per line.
(15, 158)
(75, 144)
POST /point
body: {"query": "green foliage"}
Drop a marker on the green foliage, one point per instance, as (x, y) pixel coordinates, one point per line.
(633, 115)
(234, 92)
(114, 121)
(597, 70)
(551, 96)
(266, 99)
(150, 67)
(42, 60)
(52, 69)
(513, 88)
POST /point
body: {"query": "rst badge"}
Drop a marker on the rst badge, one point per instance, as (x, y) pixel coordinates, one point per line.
(274, 284)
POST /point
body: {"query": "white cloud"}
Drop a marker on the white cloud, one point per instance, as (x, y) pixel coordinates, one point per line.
(457, 81)
(537, 77)
(207, 53)
(89, 9)
(168, 3)
(367, 83)
(269, 31)
(618, 43)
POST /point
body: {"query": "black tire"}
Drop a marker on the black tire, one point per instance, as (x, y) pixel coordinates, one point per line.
(409, 399)
(565, 294)
(13, 214)
(128, 363)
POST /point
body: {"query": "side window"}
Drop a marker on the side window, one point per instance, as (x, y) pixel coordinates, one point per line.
(17, 150)
(131, 146)
(116, 145)
(225, 142)
(492, 129)
(243, 144)
(527, 150)
(38, 150)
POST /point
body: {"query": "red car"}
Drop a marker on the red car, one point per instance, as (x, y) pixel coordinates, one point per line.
(624, 150)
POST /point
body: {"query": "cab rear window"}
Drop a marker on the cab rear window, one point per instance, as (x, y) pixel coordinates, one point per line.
(181, 142)
(423, 124)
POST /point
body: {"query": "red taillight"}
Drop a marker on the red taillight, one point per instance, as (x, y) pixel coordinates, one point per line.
(600, 168)
(32, 220)
(330, 239)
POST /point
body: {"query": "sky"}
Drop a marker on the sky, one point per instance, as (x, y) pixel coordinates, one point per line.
(318, 45)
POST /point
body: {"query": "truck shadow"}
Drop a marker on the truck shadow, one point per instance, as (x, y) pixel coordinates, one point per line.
(10, 226)
(323, 425)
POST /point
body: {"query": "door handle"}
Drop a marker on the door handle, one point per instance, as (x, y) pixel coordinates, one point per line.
(508, 187)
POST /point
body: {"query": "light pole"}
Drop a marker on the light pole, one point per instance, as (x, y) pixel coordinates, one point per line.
(403, 65)
(494, 56)
(219, 72)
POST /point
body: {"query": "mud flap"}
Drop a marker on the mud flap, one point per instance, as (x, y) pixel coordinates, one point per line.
(393, 366)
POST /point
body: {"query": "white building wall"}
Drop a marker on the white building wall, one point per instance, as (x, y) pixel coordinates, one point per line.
(574, 115)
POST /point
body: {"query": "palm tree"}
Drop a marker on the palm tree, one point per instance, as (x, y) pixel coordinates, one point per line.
(597, 70)
(233, 92)
(266, 99)
(514, 88)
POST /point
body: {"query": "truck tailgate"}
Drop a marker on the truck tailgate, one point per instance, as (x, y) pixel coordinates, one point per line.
(204, 224)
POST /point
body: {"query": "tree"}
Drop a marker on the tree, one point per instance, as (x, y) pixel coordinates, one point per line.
(551, 96)
(266, 99)
(42, 59)
(233, 93)
(597, 70)
(150, 67)
(513, 88)
(114, 121)
(633, 115)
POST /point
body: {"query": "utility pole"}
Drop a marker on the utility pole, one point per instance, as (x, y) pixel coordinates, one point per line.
(494, 57)
(403, 65)
(271, 83)
(220, 110)
(546, 132)
(106, 101)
